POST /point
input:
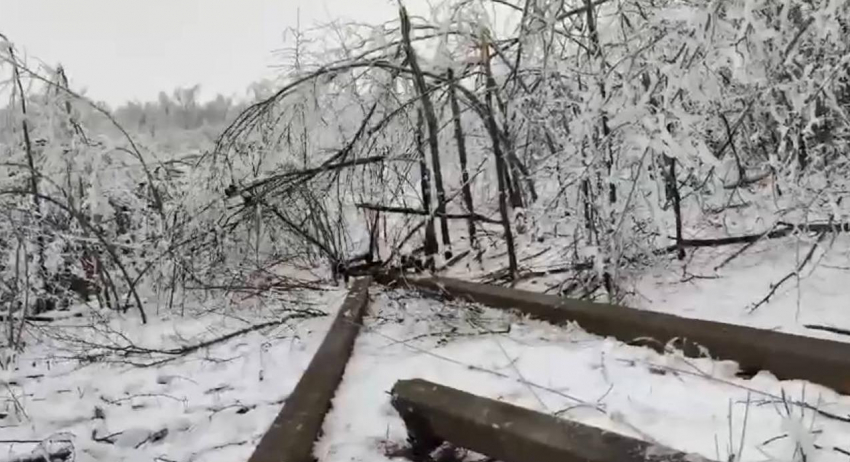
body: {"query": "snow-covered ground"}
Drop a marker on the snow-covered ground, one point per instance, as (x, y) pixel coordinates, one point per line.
(212, 405)
(692, 405)
(215, 404)
(821, 295)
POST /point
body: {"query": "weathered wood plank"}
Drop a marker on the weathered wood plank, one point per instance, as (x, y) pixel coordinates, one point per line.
(435, 414)
(296, 429)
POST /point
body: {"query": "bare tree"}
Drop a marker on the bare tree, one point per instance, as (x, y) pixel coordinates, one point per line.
(433, 129)
(501, 170)
(462, 157)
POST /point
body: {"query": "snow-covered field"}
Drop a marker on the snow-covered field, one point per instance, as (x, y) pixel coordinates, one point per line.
(692, 405)
(212, 405)
(821, 295)
(215, 404)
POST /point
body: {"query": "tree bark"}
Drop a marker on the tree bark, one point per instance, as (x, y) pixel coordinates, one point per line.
(433, 128)
(466, 188)
(501, 169)
(596, 53)
(673, 194)
(425, 184)
(34, 190)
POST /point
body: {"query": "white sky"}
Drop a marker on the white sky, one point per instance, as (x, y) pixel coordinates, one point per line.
(119, 50)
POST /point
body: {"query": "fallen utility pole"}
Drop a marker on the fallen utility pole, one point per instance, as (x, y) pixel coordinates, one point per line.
(435, 414)
(295, 430)
(788, 356)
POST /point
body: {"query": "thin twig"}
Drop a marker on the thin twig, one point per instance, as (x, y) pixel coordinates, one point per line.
(834, 330)
(796, 272)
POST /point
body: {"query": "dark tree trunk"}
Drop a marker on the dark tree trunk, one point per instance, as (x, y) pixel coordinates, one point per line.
(596, 53)
(675, 197)
(587, 200)
(802, 154)
(466, 188)
(433, 129)
(522, 172)
(501, 170)
(42, 304)
(425, 184)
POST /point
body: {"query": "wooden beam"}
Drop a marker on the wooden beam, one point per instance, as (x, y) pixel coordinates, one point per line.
(295, 430)
(435, 414)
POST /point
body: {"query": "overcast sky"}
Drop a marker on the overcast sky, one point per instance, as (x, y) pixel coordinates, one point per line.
(121, 50)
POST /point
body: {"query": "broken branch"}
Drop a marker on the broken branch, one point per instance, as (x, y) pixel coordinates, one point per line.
(409, 211)
(796, 272)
